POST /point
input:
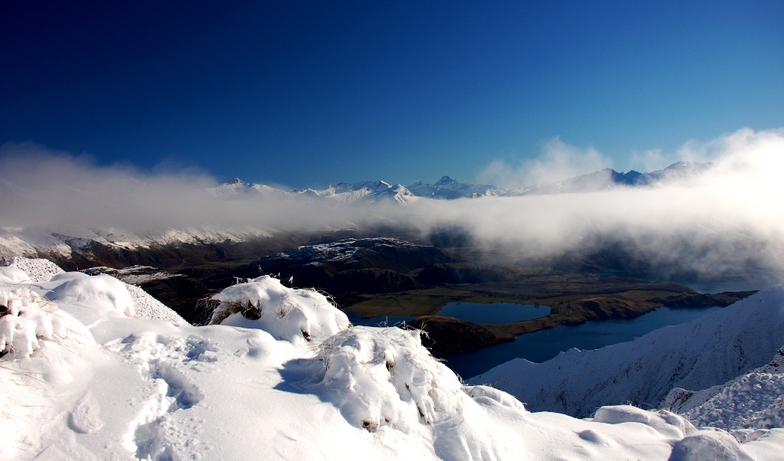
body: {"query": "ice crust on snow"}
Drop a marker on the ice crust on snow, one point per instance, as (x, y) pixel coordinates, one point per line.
(151, 389)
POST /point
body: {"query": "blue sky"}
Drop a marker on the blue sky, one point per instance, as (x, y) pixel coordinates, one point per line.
(311, 93)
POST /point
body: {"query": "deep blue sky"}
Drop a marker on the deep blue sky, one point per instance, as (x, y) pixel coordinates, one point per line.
(312, 93)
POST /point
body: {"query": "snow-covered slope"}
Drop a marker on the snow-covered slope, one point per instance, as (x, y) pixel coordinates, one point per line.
(368, 191)
(33, 242)
(130, 388)
(695, 355)
(238, 189)
(752, 401)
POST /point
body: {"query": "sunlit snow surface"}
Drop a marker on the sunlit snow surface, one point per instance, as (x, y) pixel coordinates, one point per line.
(103, 384)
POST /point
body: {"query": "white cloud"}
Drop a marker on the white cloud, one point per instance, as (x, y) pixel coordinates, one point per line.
(557, 161)
(730, 218)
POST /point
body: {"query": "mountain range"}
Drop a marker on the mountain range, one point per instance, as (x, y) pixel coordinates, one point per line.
(447, 188)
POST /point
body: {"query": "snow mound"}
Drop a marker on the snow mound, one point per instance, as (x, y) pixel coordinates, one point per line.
(97, 290)
(39, 270)
(295, 315)
(384, 376)
(13, 275)
(666, 423)
(27, 270)
(383, 381)
(708, 446)
(25, 318)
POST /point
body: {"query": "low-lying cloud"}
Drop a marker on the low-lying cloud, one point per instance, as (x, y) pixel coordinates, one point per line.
(727, 220)
(558, 161)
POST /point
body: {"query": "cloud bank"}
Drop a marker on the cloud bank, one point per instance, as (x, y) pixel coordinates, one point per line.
(558, 161)
(727, 220)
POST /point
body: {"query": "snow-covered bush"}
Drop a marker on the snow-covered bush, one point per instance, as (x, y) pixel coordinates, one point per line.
(25, 318)
(384, 376)
(298, 316)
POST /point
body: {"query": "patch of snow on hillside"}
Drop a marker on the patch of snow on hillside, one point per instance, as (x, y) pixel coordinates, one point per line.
(133, 275)
(79, 288)
(392, 380)
(144, 305)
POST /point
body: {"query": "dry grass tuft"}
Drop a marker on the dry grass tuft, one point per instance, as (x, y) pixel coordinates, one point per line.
(245, 307)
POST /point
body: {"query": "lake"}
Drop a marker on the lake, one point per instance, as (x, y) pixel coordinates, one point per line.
(494, 313)
(545, 344)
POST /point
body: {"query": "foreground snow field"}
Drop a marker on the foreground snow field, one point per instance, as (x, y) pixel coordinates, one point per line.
(96, 374)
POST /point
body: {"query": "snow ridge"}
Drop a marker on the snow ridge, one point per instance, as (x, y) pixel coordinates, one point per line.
(695, 355)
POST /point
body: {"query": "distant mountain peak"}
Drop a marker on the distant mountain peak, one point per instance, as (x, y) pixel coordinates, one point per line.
(446, 181)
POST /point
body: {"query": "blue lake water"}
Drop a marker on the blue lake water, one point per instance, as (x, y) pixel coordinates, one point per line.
(494, 313)
(546, 344)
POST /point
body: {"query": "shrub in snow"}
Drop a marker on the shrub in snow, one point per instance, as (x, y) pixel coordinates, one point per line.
(298, 316)
(384, 376)
(24, 318)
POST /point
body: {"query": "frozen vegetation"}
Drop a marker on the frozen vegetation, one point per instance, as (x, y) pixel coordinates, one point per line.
(92, 372)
